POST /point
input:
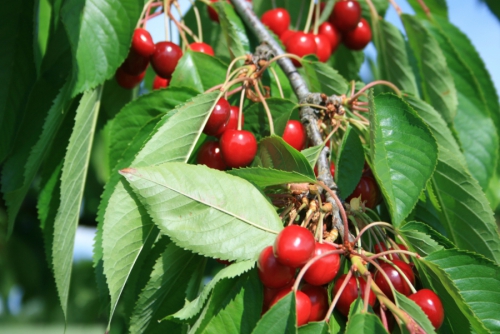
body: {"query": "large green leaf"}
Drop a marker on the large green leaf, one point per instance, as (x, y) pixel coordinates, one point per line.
(265, 177)
(423, 239)
(204, 216)
(312, 154)
(365, 323)
(256, 117)
(410, 307)
(437, 8)
(100, 32)
(322, 78)
(437, 83)
(280, 318)
(314, 328)
(347, 62)
(233, 30)
(350, 162)
(404, 153)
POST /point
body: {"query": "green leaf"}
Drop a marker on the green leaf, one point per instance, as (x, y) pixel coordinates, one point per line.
(165, 290)
(274, 152)
(256, 117)
(437, 83)
(314, 328)
(381, 7)
(198, 71)
(494, 7)
(265, 177)
(423, 239)
(347, 62)
(365, 323)
(214, 225)
(233, 30)
(114, 98)
(74, 173)
(415, 312)
(437, 8)
(404, 153)
(312, 154)
(322, 78)
(280, 318)
(100, 32)
(350, 162)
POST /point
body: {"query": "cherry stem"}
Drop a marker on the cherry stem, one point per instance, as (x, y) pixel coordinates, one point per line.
(319, 228)
(364, 229)
(407, 280)
(272, 60)
(425, 8)
(341, 208)
(240, 111)
(234, 91)
(317, 106)
(309, 16)
(266, 107)
(372, 84)
(394, 251)
(182, 24)
(337, 295)
(145, 13)
(383, 317)
(316, 18)
(366, 299)
(278, 83)
(149, 17)
(166, 8)
(182, 29)
(198, 20)
(231, 65)
(396, 7)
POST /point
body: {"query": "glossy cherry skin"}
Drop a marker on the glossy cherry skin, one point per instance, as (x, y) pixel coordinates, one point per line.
(329, 31)
(325, 269)
(323, 48)
(368, 189)
(160, 82)
(273, 274)
(238, 148)
(277, 20)
(126, 80)
(358, 38)
(286, 35)
(319, 301)
(332, 169)
(135, 64)
(142, 42)
(209, 155)
(202, 47)
(397, 280)
(294, 246)
(232, 122)
(345, 15)
(212, 13)
(302, 305)
(300, 44)
(430, 303)
(350, 293)
(295, 135)
(219, 116)
(165, 58)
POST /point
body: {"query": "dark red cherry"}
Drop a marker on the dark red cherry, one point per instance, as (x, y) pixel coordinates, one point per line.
(209, 155)
(323, 48)
(295, 135)
(325, 269)
(142, 43)
(358, 38)
(302, 305)
(238, 148)
(334, 37)
(319, 301)
(368, 189)
(160, 82)
(165, 58)
(277, 20)
(212, 13)
(286, 35)
(126, 80)
(218, 117)
(294, 246)
(135, 64)
(430, 303)
(232, 122)
(300, 44)
(395, 277)
(273, 274)
(345, 15)
(350, 293)
(202, 47)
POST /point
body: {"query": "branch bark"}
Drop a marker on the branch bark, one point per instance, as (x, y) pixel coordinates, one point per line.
(307, 114)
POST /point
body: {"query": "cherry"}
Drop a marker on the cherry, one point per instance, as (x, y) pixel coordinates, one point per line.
(323, 48)
(209, 155)
(358, 38)
(350, 293)
(273, 274)
(286, 35)
(126, 80)
(346, 15)
(302, 305)
(368, 190)
(300, 44)
(142, 43)
(395, 277)
(224, 262)
(277, 20)
(219, 116)
(332, 169)
(160, 82)
(430, 303)
(212, 13)
(325, 269)
(294, 246)
(238, 148)
(135, 64)
(202, 47)
(165, 58)
(327, 29)
(295, 135)
(319, 301)
(232, 122)
(269, 295)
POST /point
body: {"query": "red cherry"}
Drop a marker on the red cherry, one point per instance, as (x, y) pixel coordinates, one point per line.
(323, 48)
(273, 274)
(294, 246)
(345, 15)
(212, 13)
(286, 35)
(368, 189)
(302, 305)
(224, 262)
(325, 269)
(395, 277)
(126, 80)
(160, 82)
(332, 169)
(300, 44)
(319, 301)
(295, 135)
(269, 295)
(165, 58)
(232, 123)
(142, 43)
(327, 29)
(202, 47)
(430, 303)
(135, 64)
(358, 38)
(238, 147)
(218, 117)
(350, 293)
(277, 20)
(209, 155)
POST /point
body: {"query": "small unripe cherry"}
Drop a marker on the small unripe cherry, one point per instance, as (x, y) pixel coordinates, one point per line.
(294, 246)
(273, 274)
